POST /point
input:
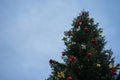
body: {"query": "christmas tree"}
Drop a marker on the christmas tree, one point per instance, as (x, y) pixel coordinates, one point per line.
(85, 57)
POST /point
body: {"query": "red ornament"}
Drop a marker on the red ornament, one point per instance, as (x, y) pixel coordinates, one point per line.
(71, 58)
(86, 29)
(89, 54)
(63, 53)
(79, 22)
(69, 78)
(114, 72)
(51, 61)
(83, 13)
(94, 41)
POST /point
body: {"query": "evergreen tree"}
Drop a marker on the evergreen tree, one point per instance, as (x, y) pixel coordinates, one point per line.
(85, 57)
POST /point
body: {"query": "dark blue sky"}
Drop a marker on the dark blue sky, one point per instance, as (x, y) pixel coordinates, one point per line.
(31, 33)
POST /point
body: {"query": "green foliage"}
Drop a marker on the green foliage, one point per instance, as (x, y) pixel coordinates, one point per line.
(85, 57)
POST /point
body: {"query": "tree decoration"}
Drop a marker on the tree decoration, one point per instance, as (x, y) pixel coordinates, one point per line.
(83, 46)
(69, 44)
(73, 42)
(100, 34)
(114, 72)
(67, 33)
(83, 13)
(111, 65)
(63, 53)
(98, 65)
(71, 59)
(69, 78)
(60, 74)
(86, 29)
(51, 61)
(79, 22)
(94, 41)
(107, 54)
(89, 54)
(78, 29)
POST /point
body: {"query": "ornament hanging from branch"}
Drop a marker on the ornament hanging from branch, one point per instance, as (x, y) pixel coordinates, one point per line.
(94, 41)
(100, 34)
(89, 54)
(71, 59)
(111, 65)
(78, 23)
(83, 46)
(114, 72)
(63, 53)
(69, 78)
(51, 61)
(98, 65)
(67, 33)
(107, 54)
(60, 74)
(86, 29)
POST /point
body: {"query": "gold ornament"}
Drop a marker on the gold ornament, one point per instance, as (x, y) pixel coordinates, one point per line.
(98, 65)
(111, 65)
(69, 44)
(99, 34)
(60, 75)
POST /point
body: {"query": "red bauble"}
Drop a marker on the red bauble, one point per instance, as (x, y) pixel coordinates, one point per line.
(89, 54)
(70, 59)
(94, 41)
(114, 72)
(51, 61)
(86, 29)
(63, 53)
(83, 13)
(69, 78)
(79, 22)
